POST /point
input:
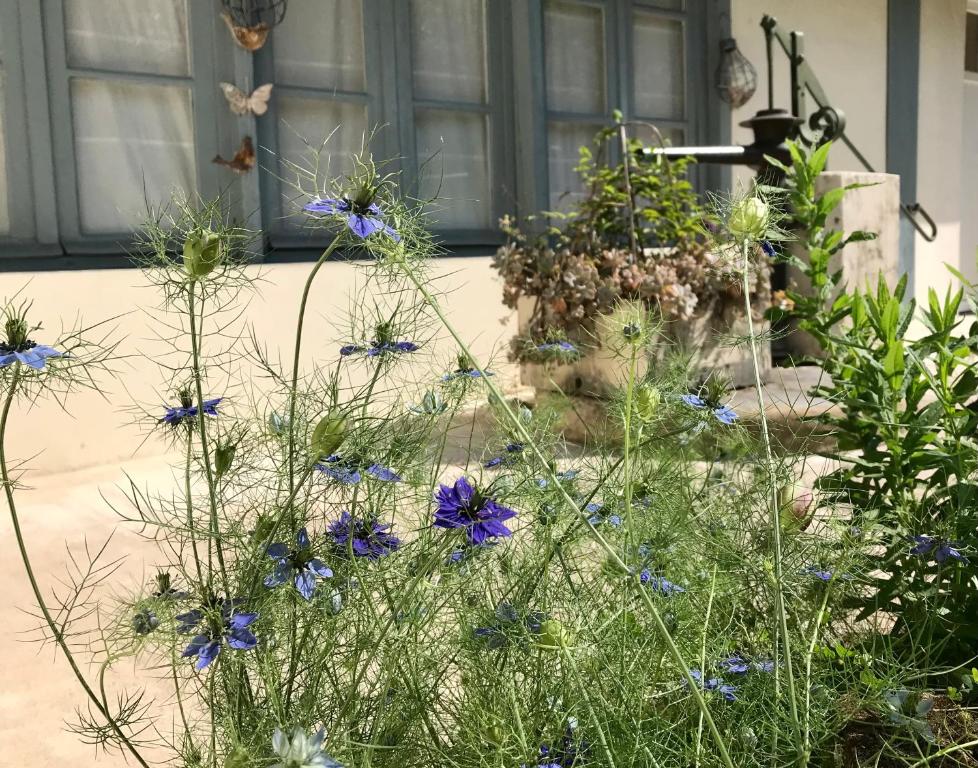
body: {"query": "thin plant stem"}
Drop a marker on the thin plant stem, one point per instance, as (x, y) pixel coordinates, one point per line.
(615, 558)
(56, 633)
(781, 616)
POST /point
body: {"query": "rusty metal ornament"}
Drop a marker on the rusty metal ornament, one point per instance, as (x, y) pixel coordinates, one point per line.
(250, 21)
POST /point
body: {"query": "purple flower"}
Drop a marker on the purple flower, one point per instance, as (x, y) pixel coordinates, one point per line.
(822, 574)
(659, 584)
(513, 449)
(349, 471)
(377, 348)
(462, 373)
(362, 219)
(599, 517)
(463, 506)
(222, 625)
(723, 413)
(560, 347)
(943, 549)
(365, 538)
(729, 692)
(27, 352)
(296, 564)
(187, 410)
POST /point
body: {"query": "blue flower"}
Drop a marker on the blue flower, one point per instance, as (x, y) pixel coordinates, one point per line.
(377, 348)
(230, 628)
(723, 413)
(599, 517)
(463, 506)
(27, 352)
(659, 584)
(187, 410)
(362, 219)
(823, 574)
(943, 549)
(727, 691)
(513, 449)
(462, 373)
(349, 471)
(560, 347)
(735, 665)
(566, 754)
(768, 249)
(298, 564)
(365, 538)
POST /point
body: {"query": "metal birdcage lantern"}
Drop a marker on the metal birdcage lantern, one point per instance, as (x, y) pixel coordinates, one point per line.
(255, 13)
(736, 78)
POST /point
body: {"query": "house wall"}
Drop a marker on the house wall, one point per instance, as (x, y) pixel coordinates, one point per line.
(845, 43)
(101, 429)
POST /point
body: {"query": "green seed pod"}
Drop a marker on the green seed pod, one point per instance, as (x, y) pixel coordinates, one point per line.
(328, 435)
(237, 758)
(223, 458)
(552, 636)
(16, 328)
(647, 399)
(795, 503)
(749, 219)
(202, 251)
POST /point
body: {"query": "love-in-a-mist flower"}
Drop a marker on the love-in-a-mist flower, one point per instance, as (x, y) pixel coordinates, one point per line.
(363, 538)
(301, 750)
(466, 370)
(17, 348)
(738, 665)
(598, 515)
(723, 413)
(187, 410)
(376, 348)
(727, 691)
(560, 347)
(362, 215)
(943, 549)
(659, 584)
(217, 622)
(565, 754)
(349, 470)
(512, 454)
(462, 505)
(298, 565)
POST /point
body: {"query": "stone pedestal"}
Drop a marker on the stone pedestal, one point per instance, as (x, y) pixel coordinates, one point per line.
(871, 209)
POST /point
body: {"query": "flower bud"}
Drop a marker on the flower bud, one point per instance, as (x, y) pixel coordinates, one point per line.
(749, 219)
(647, 399)
(795, 503)
(328, 435)
(202, 251)
(223, 458)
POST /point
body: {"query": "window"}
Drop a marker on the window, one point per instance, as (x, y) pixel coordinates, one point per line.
(602, 56)
(481, 104)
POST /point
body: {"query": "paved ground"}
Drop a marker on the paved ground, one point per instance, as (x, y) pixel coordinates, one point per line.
(38, 693)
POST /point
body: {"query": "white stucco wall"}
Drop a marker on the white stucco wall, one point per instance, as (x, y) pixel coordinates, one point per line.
(845, 44)
(100, 430)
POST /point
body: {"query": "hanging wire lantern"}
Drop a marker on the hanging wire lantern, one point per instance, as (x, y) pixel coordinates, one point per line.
(250, 21)
(736, 78)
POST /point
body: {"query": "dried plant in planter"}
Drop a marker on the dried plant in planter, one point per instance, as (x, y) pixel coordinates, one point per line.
(639, 233)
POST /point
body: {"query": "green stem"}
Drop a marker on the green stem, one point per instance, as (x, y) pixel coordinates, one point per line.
(35, 588)
(779, 606)
(202, 430)
(596, 721)
(527, 439)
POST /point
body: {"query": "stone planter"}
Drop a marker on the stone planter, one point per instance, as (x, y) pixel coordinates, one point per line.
(705, 337)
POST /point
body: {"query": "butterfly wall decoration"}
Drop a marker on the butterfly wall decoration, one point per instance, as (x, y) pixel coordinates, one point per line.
(240, 103)
(243, 160)
(249, 38)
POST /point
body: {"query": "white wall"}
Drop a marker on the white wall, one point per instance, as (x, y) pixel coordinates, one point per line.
(845, 44)
(99, 430)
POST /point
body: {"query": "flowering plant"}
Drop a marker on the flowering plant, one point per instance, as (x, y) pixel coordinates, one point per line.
(636, 232)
